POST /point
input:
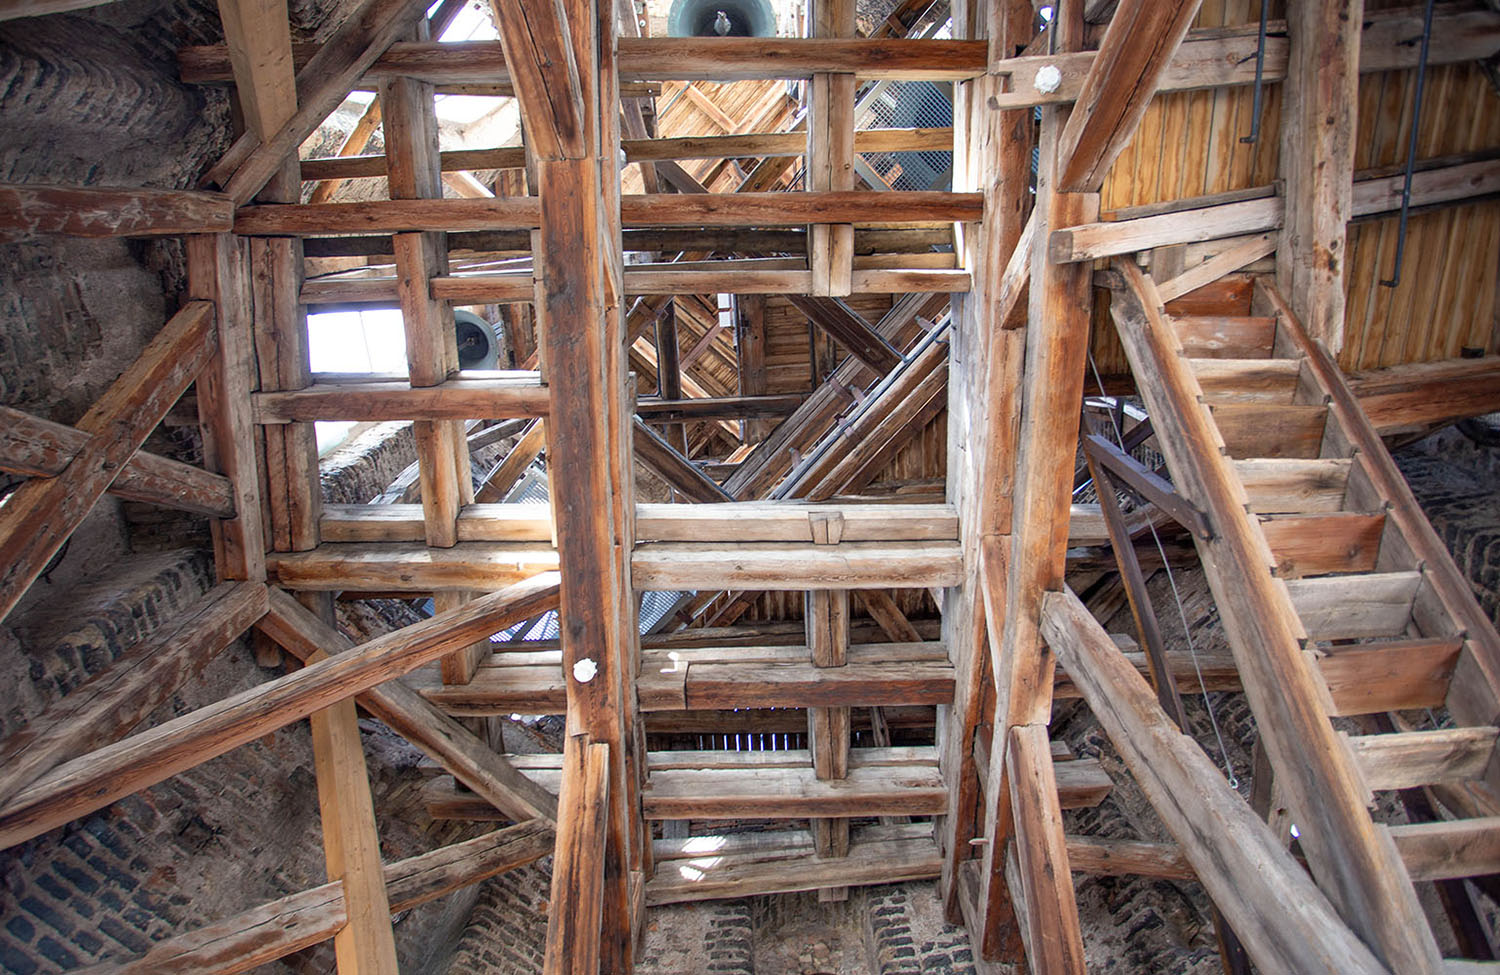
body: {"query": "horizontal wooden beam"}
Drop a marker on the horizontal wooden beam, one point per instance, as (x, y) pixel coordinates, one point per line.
(92, 781)
(276, 929)
(517, 395)
(1412, 397)
(718, 407)
(783, 863)
(659, 59)
(1448, 184)
(32, 210)
(642, 210)
(766, 565)
(793, 522)
(40, 448)
(407, 567)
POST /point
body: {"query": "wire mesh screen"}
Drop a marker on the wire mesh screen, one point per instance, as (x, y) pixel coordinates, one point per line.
(911, 105)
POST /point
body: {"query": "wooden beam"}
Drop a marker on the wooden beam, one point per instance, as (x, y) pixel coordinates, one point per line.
(453, 746)
(666, 566)
(793, 522)
(40, 448)
(32, 210)
(108, 705)
(498, 482)
(276, 929)
(520, 395)
(849, 329)
(1284, 921)
(322, 85)
(544, 72)
(92, 781)
(576, 916)
(413, 568)
(41, 514)
(1055, 936)
(830, 153)
(794, 793)
(718, 407)
(681, 474)
(259, 39)
(1317, 160)
(1136, 53)
(1412, 397)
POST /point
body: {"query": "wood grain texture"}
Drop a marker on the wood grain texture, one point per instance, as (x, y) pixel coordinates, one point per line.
(33, 210)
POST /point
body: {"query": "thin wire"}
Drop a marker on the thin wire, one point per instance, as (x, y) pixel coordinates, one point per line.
(1234, 782)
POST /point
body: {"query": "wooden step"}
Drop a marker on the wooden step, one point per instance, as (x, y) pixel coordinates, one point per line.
(1275, 485)
(1355, 607)
(1391, 676)
(1323, 544)
(1225, 337)
(1408, 759)
(1264, 430)
(1444, 850)
(1272, 381)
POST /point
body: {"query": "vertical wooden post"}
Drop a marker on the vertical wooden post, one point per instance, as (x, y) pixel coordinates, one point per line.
(992, 155)
(589, 439)
(830, 153)
(366, 944)
(573, 929)
(669, 372)
(750, 347)
(1318, 115)
(828, 729)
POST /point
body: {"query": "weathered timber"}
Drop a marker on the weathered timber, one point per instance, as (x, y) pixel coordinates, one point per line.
(33, 210)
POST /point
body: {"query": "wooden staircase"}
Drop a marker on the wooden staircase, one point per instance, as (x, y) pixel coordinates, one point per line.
(1338, 600)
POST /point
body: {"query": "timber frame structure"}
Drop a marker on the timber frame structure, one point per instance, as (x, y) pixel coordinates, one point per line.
(1235, 316)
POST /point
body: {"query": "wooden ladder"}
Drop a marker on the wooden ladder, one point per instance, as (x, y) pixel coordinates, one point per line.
(1338, 600)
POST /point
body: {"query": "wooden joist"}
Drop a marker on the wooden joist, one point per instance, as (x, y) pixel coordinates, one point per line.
(112, 702)
(521, 395)
(794, 793)
(1283, 920)
(35, 210)
(92, 781)
(41, 514)
(40, 448)
(483, 566)
(1409, 398)
(274, 930)
(768, 565)
(789, 521)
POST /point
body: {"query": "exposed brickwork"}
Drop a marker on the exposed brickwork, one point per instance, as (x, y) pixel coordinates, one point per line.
(507, 931)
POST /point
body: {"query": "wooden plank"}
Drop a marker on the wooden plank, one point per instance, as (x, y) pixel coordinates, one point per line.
(1341, 542)
(41, 514)
(793, 793)
(1368, 605)
(40, 448)
(273, 930)
(1133, 58)
(522, 395)
(1434, 851)
(464, 755)
(32, 210)
(1227, 261)
(1294, 485)
(1354, 861)
(1252, 430)
(575, 920)
(108, 705)
(1317, 161)
(1411, 759)
(792, 209)
(1400, 675)
(1283, 920)
(793, 522)
(1056, 937)
(1225, 337)
(666, 566)
(483, 566)
(1269, 381)
(403, 523)
(1413, 396)
(92, 781)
